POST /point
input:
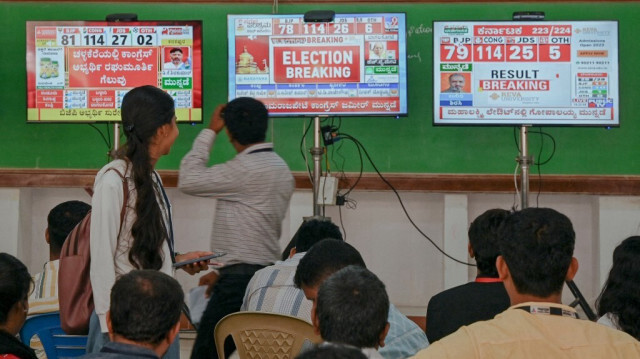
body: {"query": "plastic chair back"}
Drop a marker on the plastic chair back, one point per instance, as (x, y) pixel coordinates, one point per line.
(260, 335)
(56, 343)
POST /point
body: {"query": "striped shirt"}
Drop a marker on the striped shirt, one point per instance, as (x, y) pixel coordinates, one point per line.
(272, 290)
(252, 190)
(44, 298)
(405, 338)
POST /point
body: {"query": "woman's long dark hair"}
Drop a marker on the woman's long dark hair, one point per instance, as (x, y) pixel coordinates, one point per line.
(15, 283)
(144, 110)
(621, 293)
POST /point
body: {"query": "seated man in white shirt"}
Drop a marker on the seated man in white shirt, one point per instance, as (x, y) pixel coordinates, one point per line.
(60, 221)
(272, 289)
(352, 308)
(328, 256)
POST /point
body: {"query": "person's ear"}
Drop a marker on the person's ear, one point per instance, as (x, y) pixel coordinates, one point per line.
(46, 236)
(231, 139)
(314, 319)
(573, 269)
(470, 250)
(503, 269)
(110, 325)
(173, 333)
(292, 252)
(383, 335)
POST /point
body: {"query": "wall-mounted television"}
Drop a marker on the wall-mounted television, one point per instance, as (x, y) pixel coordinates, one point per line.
(562, 73)
(79, 71)
(355, 65)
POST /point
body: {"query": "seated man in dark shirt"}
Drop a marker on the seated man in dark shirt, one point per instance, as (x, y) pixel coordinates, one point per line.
(478, 300)
(144, 316)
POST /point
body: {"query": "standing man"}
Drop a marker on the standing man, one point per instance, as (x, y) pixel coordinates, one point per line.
(252, 190)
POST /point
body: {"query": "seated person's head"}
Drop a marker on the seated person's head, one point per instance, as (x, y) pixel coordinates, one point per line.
(322, 260)
(145, 309)
(352, 308)
(15, 283)
(332, 351)
(536, 246)
(61, 221)
(483, 240)
(246, 120)
(620, 295)
(313, 231)
(308, 234)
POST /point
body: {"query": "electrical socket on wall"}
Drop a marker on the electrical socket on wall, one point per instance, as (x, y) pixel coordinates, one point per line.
(328, 190)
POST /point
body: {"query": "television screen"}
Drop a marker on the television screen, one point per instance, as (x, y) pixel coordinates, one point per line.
(353, 65)
(79, 71)
(518, 73)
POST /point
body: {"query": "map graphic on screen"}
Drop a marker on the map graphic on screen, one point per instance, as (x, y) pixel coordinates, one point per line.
(79, 71)
(517, 73)
(354, 65)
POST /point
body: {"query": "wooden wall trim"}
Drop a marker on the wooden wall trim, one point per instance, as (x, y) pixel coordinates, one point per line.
(449, 183)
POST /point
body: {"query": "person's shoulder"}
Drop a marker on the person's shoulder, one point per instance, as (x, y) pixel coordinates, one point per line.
(454, 292)
(116, 168)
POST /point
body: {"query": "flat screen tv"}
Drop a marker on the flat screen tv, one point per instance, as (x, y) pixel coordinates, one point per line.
(355, 65)
(562, 73)
(79, 71)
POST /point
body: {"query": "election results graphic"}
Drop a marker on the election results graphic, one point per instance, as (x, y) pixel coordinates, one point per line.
(538, 73)
(80, 71)
(353, 65)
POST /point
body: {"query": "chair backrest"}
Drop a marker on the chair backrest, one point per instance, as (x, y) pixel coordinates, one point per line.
(56, 343)
(260, 335)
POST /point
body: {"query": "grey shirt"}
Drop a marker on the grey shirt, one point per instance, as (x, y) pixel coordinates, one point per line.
(252, 190)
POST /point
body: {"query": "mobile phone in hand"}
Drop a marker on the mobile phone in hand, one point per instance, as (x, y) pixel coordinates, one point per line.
(199, 259)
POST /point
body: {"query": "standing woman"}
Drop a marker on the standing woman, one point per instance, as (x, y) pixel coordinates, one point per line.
(144, 239)
(619, 302)
(15, 283)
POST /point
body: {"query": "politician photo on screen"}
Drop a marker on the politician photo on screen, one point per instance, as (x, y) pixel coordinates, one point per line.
(454, 83)
(176, 58)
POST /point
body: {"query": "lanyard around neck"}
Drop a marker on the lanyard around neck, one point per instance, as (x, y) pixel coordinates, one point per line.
(548, 310)
(170, 241)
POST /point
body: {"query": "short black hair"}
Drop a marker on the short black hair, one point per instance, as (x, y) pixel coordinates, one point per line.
(332, 351)
(61, 221)
(313, 231)
(323, 259)
(175, 49)
(483, 237)
(247, 120)
(15, 283)
(537, 245)
(352, 307)
(145, 306)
